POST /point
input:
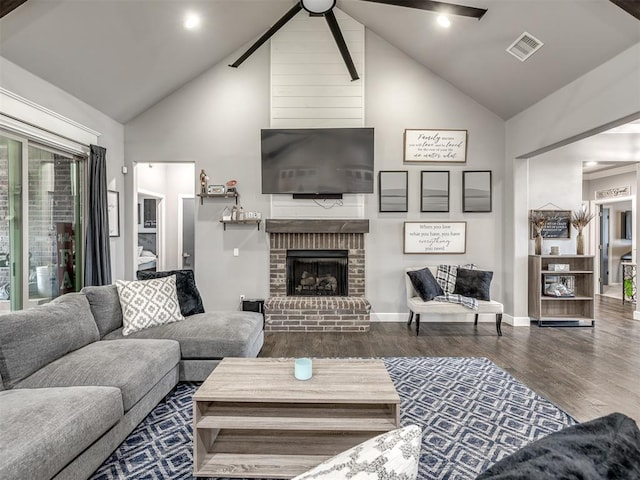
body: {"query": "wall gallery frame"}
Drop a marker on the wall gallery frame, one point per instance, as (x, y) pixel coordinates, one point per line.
(393, 187)
(476, 191)
(113, 212)
(443, 146)
(434, 191)
(435, 237)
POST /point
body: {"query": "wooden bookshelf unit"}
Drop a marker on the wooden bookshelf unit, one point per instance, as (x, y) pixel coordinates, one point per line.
(562, 311)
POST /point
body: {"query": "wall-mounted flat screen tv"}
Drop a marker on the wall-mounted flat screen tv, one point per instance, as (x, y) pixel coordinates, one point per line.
(317, 160)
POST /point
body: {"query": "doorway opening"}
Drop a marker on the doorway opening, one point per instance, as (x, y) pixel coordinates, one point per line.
(615, 243)
(165, 216)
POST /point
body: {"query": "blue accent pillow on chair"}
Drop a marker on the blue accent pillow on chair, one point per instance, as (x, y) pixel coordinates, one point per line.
(425, 284)
(188, 294)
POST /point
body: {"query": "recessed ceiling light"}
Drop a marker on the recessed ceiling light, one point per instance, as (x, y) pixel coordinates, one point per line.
(191, 21)
(444, 21)
(590, 164)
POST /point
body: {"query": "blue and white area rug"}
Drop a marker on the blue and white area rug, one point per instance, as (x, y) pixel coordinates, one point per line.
(472, 414)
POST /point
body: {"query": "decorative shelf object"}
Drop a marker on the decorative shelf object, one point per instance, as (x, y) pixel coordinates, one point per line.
(562, 311)
(251, 221)
(218, 195)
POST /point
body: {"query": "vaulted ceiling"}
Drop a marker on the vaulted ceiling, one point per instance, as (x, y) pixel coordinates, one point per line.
(123, 56)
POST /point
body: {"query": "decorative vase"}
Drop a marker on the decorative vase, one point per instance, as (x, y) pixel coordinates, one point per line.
(580, 244)
(539, 244)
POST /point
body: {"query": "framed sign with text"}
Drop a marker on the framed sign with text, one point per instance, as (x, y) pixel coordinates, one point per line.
(443, 146)
(435, 237)
(557, 224)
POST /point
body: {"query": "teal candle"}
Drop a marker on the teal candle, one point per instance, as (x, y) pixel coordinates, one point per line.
(302, 368)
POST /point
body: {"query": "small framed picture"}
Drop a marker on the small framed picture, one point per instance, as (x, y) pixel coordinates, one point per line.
(476, 191)
(434, 191)
(392, 190)
(216, 189)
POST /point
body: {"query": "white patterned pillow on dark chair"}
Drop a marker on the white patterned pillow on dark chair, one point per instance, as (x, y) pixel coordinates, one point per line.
(148, 303)
(394, 454)
(446, 276)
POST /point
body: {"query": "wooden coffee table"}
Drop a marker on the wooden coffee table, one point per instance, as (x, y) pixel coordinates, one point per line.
(252, 418)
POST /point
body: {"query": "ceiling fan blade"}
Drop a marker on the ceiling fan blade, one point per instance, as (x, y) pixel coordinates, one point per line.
(268, 34)
(7, 6)
(632, 7)
(433, 6)
(342, 45)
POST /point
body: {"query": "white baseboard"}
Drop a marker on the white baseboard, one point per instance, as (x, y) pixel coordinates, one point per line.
(404, 317)
(516, 321)
(389, 317)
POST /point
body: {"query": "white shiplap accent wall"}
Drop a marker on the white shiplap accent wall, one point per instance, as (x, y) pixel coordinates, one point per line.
(311, 87)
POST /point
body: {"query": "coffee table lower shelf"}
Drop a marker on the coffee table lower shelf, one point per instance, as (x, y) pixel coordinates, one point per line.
(255, 454)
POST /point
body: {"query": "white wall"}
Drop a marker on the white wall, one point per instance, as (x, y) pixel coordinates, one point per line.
(216, 119)
(31, 87)
(606, 94)
(402, 94)
(555, 183)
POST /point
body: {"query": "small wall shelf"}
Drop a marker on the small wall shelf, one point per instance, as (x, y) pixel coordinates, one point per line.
(218, 195)
(251, 221)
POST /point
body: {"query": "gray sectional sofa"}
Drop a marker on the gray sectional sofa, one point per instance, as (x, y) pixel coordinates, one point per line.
(72, 387)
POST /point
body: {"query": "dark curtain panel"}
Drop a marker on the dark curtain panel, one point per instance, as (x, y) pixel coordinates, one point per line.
(97, 269)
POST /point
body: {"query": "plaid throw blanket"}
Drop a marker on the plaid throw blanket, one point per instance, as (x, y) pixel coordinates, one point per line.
(468, 302)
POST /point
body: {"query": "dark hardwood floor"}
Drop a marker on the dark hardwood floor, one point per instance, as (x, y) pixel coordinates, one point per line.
(588, 372)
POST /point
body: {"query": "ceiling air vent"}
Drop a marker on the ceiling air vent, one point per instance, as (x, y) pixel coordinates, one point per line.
(524, 46)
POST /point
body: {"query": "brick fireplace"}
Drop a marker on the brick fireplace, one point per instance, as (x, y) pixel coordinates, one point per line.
(309, 301)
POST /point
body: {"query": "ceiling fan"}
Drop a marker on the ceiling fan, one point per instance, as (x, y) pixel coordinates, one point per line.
(324, 8)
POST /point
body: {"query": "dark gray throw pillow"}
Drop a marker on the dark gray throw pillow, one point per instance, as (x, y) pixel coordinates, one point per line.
(473, 283)
(188, 295)
(425, 284)
(604, 448)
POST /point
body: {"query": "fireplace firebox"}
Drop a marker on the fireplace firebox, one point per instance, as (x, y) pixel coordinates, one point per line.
(317, 273)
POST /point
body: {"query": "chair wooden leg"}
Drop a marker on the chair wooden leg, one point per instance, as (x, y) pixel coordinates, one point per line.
(410, 317)
(417, 324)
(499, 324)
(476, 321)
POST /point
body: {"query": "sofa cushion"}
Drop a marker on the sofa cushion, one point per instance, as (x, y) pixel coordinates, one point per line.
(105, 306)
(33, 338)
(188, 294)
(134, 366)
(425, 284)
(473, 283)
(392, 455)
(43, 429)
(148, 303)
(208, 335)
(607, 447)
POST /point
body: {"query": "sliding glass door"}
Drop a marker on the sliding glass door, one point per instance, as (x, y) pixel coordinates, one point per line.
(11, 241)
(40, 223)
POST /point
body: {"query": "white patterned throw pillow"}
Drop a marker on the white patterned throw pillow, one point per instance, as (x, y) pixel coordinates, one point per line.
(394, 455)
(148, 303)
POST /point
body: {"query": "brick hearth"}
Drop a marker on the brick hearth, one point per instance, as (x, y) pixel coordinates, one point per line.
(325, 313)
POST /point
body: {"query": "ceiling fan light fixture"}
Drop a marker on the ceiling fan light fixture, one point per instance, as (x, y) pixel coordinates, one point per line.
(443, 21)
(318, 7)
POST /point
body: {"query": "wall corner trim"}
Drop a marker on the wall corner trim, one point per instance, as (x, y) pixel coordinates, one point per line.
(26, 117)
